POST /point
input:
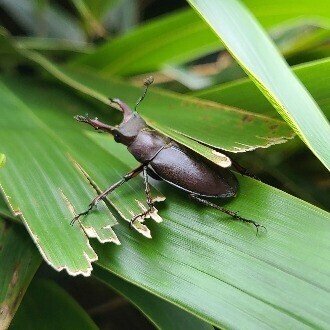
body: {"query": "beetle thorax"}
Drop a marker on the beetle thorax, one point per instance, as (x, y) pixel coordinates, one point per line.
(127, 131)
(147, 144)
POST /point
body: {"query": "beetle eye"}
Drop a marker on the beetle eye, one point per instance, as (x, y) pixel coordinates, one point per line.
(117, 137)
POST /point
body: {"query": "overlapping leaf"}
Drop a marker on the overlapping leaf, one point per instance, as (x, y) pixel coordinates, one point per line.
(47, 306)
(162, 314)
(252, 48)
(223, 127)
(19, 260)
(182, 36)
(219, 270)
(197, 252)
(246, 95)
(42, 187)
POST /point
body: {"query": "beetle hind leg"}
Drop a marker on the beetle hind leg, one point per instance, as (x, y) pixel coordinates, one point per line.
(233, 214)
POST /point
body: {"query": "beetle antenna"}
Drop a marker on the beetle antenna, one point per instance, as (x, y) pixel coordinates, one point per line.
(147, 82)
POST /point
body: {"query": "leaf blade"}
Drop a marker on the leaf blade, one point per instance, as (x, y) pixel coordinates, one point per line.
(240, 32)
(181, 37)
(19, 260)
(18, 181)
(161, 313)
(236, 129)
(204, 259)
(244, 94)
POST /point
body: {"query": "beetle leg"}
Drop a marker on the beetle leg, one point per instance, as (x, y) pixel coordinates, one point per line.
(244, 171)
(149, 199)
(147, 187)
(231, 213)
(106, 192)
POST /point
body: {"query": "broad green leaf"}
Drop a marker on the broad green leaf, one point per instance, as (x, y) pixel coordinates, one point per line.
(252, 48)
(162, 314)
(198, 259)
(244, 94)
(43, 187)
(47, 306)
(19, 260)
(183, 114)
(183, 36)
(219, 270)
(55, 186)
(293, 38)
(174, 39)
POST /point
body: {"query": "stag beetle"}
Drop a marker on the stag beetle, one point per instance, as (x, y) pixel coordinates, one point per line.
(164, 159)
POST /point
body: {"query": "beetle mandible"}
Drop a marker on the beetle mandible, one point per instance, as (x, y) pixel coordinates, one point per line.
(164, 159)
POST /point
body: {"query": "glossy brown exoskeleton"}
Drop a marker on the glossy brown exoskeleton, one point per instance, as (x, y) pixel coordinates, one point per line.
(164, 159)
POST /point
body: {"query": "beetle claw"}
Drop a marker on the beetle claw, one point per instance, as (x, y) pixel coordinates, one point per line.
(259, 228)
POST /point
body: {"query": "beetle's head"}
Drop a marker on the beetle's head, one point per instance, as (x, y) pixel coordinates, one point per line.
(126, 131)
(131, 124)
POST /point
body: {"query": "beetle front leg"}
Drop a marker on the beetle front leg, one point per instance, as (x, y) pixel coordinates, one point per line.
(149, 198)
(106, 192)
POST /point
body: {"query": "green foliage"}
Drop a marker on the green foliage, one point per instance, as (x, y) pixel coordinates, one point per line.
(19, 260)
(244, 94)
(183, 36)
(200, 269)
(59, 310)
(170, 317)
(268, 71)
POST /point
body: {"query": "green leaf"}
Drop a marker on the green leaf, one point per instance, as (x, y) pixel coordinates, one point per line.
(174, 39)
(19, 260)
(245, 94)
(161, 313)
(220, 271)
(180, 113)
(198, 259)
(294, 39)
(183, 36)
(252, 48)
(45, 191)
(47, 306)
